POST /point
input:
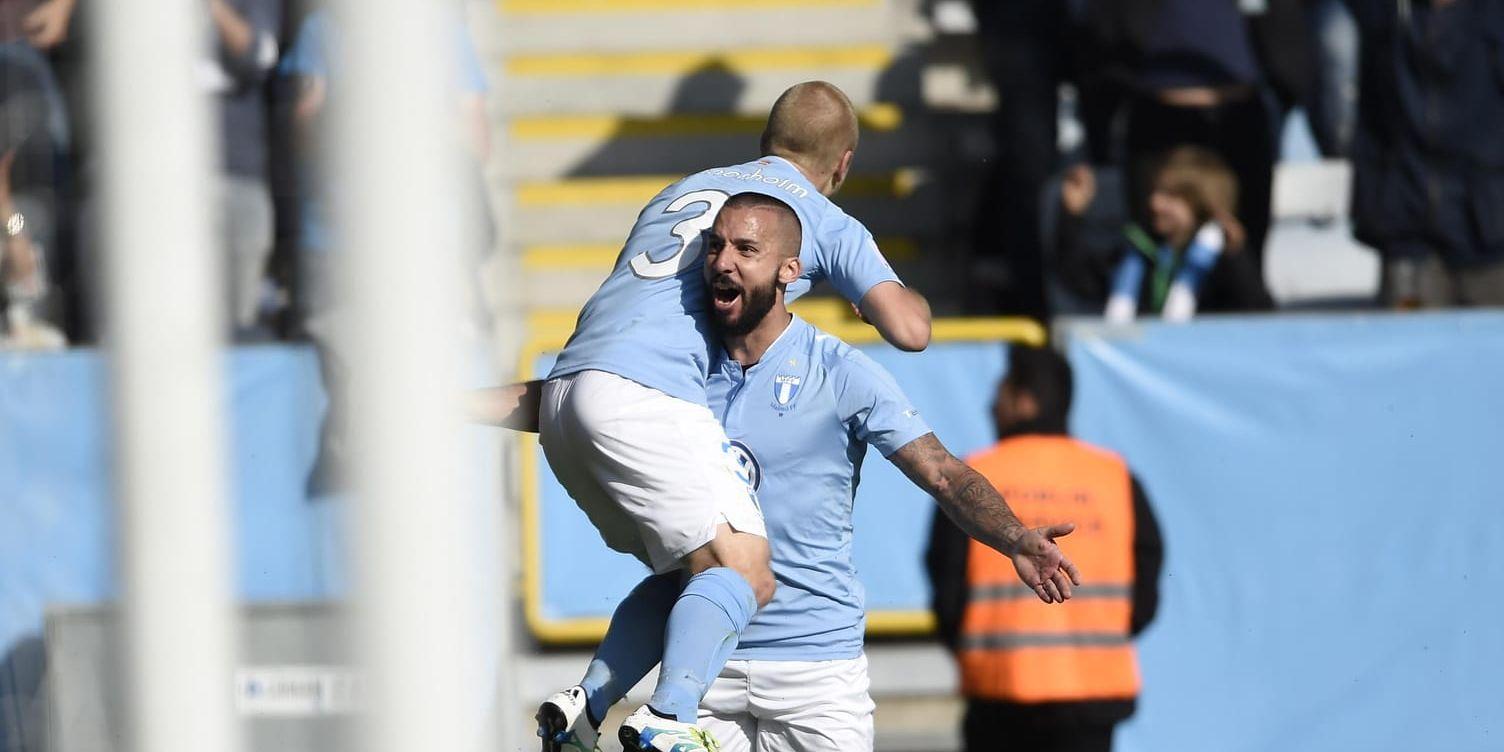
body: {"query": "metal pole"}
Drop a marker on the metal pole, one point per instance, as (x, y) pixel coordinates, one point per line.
(422, 541)
(163, 321)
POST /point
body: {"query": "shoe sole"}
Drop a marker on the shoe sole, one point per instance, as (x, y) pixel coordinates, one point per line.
(551, 723)
(629, 738)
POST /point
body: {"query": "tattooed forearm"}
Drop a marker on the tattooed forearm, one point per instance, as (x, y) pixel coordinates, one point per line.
(967, 498)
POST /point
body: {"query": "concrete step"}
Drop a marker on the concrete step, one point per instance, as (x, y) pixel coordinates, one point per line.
(547, 146)
(635, 25)
(649, 84)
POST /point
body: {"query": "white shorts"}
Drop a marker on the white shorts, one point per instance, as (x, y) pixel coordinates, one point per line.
(654, 474)
(790, 706)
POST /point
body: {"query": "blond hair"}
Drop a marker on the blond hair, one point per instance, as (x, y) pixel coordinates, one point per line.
(1202, 179)
(813, 124)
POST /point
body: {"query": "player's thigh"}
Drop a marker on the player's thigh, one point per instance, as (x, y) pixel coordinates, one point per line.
(817, 706)
(568, 451)
(665, 462)
(724, 711)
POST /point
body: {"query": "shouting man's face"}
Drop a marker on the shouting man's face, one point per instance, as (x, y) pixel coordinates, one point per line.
(751, 254)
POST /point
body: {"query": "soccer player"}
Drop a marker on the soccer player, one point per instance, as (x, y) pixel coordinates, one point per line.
(802, 408)
(624, 421)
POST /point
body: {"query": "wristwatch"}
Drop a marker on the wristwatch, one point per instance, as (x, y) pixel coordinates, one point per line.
(14, 224)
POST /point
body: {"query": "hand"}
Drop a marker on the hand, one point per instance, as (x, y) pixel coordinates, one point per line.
(1042, 566)
(1233, 230)
(1077, 189)
(47, 25)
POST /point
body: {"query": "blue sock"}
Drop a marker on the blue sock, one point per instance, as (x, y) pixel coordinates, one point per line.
(633, 643)
(703, 630)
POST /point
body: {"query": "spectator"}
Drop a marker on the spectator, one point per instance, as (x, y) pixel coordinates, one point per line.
(1024, 50)
(23, 271)
(244, 55)
(309, 67)
(1333, 110)
(1196, 74)
(1189, 258)
(33, 139)
(1035, 677)
(1428, 159)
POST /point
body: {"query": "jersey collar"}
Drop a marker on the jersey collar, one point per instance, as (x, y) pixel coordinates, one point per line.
(786, 339)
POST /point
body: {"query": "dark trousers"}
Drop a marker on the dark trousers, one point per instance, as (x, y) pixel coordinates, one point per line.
(1023, 45)
(993, 732)
(1240, 132)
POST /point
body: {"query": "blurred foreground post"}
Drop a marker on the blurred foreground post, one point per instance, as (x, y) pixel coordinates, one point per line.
(163, 321)
(420, 539)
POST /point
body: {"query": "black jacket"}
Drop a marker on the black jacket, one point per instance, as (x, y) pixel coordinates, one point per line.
(945, 562)
(1428, 156)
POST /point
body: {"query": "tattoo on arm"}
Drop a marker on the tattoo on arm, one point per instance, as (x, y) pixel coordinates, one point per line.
(967, 497)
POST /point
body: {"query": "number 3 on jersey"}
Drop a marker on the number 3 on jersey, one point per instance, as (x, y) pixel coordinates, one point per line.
(688, 232)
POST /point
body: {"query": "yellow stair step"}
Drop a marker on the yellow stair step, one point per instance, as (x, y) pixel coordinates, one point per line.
(564, 7)
(881, 117)
(680, 63)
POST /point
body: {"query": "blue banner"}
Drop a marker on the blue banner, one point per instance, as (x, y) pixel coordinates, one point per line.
(1330, 494)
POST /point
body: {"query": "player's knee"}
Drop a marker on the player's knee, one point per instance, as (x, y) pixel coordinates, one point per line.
(763, 586)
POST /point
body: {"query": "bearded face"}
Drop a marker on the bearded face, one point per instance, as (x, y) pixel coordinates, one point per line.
(737, 309)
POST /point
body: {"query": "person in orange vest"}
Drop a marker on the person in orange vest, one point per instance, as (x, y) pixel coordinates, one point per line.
(1039, 678)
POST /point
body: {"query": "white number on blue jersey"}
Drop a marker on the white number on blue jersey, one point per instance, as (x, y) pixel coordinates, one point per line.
(687, 231)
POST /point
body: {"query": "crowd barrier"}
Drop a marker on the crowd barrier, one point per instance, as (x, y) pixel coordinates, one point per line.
(1329, 489)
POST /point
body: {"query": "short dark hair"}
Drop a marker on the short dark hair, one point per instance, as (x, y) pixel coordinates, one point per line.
(755, 200)
(1046, 376)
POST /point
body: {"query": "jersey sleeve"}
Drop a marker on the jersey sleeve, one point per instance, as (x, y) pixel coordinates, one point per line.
(873, 407)
(849, 258)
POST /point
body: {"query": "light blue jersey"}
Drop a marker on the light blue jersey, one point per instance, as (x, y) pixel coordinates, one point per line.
(802, 419)
(648, 321)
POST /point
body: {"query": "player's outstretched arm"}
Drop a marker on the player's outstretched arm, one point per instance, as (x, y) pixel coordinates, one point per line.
(977, 508)
(901, 315)
(513, 406)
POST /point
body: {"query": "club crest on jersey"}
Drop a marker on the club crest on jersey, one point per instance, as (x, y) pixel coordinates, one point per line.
(785, 388)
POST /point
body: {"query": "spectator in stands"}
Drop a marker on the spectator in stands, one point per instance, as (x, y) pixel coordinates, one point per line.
(308, 66)
(245, 53)
(1203, 72)
(1038, 678)
(23, 271)
(1428, 183)
(1333, 110)
(1026, 54)
(1190, 256)
(33, 142)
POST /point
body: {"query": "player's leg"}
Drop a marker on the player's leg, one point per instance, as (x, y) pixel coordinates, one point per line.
(570, 720)
(725, 714)
(666, 464)
(731, 578)
(813, 706)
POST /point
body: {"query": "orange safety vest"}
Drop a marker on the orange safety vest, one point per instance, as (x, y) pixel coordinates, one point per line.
(1015, 648)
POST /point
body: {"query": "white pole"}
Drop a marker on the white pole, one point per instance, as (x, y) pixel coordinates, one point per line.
(423, 546)
(163, 320)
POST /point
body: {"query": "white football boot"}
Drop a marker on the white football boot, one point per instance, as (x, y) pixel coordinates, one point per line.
(642, 730)
(563, 724)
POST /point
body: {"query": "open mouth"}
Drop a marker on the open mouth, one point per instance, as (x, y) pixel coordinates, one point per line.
(724, 294)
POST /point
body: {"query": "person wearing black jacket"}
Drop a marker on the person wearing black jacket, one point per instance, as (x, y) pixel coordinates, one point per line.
(1033, 402)
(1428, 160)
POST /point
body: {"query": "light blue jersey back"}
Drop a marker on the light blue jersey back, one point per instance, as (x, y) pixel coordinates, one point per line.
(802, 419)
(648, 321)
